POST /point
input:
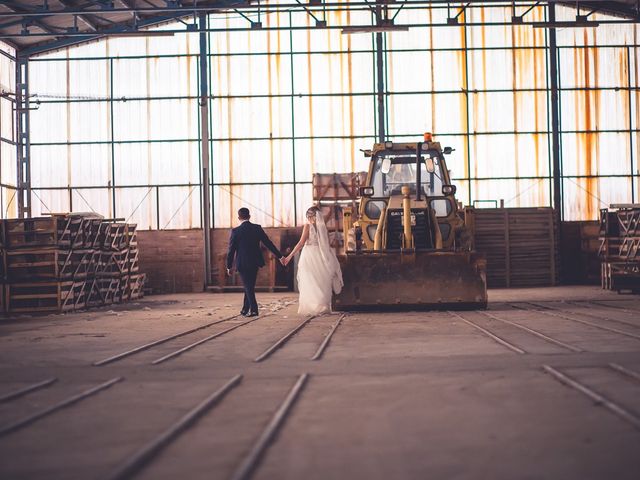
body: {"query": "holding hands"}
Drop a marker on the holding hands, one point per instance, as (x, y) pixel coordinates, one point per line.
(285, 260)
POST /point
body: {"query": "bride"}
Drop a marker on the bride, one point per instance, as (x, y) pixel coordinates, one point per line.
(318, 269)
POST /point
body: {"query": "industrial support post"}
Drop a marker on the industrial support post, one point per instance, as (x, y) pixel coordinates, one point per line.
(380, 75)
(555, 118)
(23, 142)
(555, 127)
(204, 146)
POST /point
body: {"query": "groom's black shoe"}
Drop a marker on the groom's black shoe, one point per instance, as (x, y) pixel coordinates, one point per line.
(252, 314)
(243, 312)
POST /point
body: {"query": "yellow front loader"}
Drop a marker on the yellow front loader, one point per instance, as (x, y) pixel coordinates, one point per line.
(407, 245)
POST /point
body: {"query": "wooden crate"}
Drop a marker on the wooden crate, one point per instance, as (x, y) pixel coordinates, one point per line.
(91, 232)
(620, 248)
(337, 186)
(94, 295)
(49, 264)
(113, 236)
(56, 231)
(110, 289)
(136, 286)
(64, 262)
(621, 277)
(45, 296)
(332, 214)
(130, 235)
(113, 264)
(519, 244)
(133, 260)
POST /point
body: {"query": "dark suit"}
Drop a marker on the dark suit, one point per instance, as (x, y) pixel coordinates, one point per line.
(244, 246)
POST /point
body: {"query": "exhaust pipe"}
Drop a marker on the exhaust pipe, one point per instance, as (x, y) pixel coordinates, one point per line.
(406, 218)
(377, 240)
(418, 172)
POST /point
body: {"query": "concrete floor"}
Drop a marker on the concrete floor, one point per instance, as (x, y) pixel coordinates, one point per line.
(395, 396)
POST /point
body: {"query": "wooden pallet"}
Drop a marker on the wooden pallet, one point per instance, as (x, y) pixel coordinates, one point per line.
(519, 244)
(113, 264)
(94, 295)
(110, 289)
(56, 231)
(133, 260)
(91, 232)
(65, 262)
(621, 277)
(49, 264)
(135, 287)
(131, 236)
(45, 296)
(620, 248)
(113, 236)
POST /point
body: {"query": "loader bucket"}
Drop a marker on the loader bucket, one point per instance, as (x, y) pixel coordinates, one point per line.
(418, 281)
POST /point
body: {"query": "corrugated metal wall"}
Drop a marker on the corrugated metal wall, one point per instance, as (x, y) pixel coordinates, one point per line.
(8, 152)
(118, 126)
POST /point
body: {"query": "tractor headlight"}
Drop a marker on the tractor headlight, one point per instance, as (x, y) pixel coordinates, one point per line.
(366, 191)
(448, 189)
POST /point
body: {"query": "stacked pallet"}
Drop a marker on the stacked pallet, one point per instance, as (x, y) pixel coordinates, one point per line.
(332, 192)
(620, 248)
(67, 262)
(519, 244)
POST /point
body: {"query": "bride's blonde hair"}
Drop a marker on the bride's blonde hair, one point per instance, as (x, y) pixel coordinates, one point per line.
(312, 211)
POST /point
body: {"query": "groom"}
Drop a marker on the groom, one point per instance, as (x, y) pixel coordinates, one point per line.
(244, 246)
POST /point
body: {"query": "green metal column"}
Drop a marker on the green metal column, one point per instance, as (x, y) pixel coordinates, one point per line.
(380, 77)
(204, 148)
(555, 116)
(23, 142)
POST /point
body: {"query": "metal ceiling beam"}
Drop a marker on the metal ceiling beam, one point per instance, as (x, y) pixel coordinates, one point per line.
(623, 8)
(129, 7)
(83, 18)
(21, 12)
(207, 7)
(81, 38)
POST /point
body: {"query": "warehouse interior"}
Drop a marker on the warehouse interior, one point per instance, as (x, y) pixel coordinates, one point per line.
(489, 320)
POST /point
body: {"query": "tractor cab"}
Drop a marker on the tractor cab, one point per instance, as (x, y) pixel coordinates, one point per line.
(415, 172)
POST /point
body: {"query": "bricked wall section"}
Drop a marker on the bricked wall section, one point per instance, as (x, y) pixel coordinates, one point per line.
(173, 259)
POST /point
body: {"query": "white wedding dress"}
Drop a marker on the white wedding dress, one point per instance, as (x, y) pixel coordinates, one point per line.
(319, 272)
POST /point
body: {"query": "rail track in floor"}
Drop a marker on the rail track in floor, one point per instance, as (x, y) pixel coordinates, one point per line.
(28, 389)
(145, 455)
(197, 343)
(565, 315)
(251, 461)
(490, 334)
(532, 331)
(506, 343)
(69, 401)
(290, 334)
(149, 345)
(599, 399)
(248, 464)
(600, 317)
(632, 311)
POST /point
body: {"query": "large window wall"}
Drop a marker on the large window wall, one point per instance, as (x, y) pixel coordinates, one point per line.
(117, 126)
(600, 114)
(8, 152)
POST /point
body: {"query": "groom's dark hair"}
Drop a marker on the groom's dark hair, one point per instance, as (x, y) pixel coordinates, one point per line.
(244, 214)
